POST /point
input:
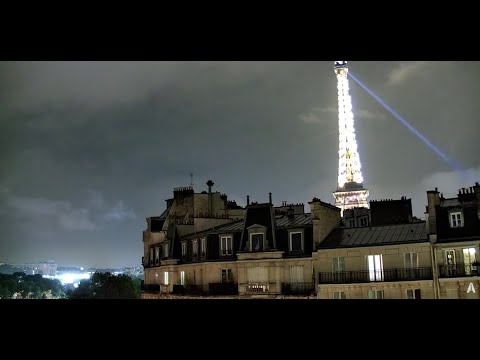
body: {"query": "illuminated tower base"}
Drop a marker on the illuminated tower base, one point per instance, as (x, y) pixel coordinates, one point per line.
(351, 195)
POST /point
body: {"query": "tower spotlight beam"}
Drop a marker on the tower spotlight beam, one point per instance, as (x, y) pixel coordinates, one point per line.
(417, 133)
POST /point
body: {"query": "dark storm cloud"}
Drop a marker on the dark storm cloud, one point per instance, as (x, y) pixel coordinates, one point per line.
(89, 149)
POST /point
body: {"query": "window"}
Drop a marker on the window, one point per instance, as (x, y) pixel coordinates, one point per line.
(184, 249)
(363, 222)
(338, 264)
(296, 242)
(166, 278)
(413, 294)
(339, 295)
(351, 223)
(165, 250)
(456, 219)
(226, 245)
(296, 274)
(410, 260)
(375, 267)
(151, 257)
(256, 241)
(182, 278)
(375, 294)
(195, 249)
(338, 269)
(157, 255)
(468, 259)
(203, 250)
(450, 257)
(227, 276)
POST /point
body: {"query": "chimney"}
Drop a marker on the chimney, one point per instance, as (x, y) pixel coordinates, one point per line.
(248, 200)
(433, 200)
(210, 184)
(325, 218)
(270, 198)
(476, 190)
(290, 212)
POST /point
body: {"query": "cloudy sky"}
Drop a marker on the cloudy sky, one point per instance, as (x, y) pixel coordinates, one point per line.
(90, 149)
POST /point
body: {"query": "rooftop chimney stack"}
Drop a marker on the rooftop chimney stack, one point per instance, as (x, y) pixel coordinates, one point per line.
(210, 184)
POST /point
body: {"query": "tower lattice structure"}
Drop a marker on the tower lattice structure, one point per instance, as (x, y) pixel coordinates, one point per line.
(350, 191)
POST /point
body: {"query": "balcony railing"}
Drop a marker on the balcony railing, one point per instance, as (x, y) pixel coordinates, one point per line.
(366, 276)
(258, 288)
(150, 288)
(300, 288)
(214, 289)
(458, 270)
(223, 289)
(197, 290)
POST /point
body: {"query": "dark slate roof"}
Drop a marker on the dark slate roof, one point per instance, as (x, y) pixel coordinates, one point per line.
(299, 220)
(236, 226)
(375, 236)
(456, 202)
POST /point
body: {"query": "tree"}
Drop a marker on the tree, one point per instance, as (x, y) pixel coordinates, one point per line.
(106, 286)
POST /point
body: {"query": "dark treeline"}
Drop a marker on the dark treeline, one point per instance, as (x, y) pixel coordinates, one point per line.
(22, 286)
(107, 286)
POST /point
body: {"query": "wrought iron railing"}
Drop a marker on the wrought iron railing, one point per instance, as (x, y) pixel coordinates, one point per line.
(228, 288)
(258, 288)
(458, 270)
(298, 288)
(150, 288)
(366, 276)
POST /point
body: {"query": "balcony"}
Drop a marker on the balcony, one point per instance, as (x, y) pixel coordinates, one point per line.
(196, 290)
(458, 270)
(367, 276)
(300, 288)
(150, 288)
(213, 289)
(257, 288)
(223, 288)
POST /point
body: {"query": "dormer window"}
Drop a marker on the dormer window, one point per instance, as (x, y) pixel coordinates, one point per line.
(184, 249)
(195, 249)
(203, 248)
(456, 219)
(295, 241)
(226, 245)
(256, 241)
(165, 251)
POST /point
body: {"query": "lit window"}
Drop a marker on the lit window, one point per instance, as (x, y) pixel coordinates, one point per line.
(339, 295)
(226, 245)
(413, 294)
(256, 241)
(456, 219)
(296, 241)
(165, 278)
(182, 277)
(468, 260)
(375, 267)
(375, 294)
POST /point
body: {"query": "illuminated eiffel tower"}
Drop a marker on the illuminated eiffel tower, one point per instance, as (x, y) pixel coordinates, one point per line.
(350, 191)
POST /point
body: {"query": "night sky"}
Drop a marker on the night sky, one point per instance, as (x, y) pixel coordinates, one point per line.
(90, 149)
